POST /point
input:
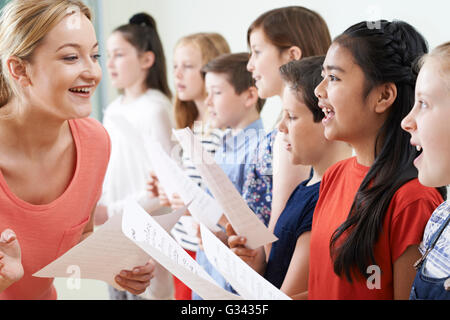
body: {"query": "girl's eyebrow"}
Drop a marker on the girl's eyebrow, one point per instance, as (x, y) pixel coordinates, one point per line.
(331, 68)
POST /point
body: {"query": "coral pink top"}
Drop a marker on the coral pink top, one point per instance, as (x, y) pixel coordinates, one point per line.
(47, 231)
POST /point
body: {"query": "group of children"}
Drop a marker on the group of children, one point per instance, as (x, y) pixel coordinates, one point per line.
(352, 179)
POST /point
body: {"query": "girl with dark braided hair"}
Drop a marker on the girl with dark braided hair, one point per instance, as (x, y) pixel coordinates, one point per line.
(372, 210)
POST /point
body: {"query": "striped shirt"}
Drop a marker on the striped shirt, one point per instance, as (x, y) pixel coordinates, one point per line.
(437, 264)
(184, 230)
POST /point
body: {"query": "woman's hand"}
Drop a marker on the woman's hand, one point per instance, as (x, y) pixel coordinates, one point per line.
(11, 269)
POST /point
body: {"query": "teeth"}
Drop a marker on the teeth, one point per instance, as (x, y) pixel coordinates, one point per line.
(326, 111)
(418, 148)
(81, 90)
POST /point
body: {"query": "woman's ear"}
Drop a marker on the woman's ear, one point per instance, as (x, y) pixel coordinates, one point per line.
(18, 70)
(147, 59)
(386, 95)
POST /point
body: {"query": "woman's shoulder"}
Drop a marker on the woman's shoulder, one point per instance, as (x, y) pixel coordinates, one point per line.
(91, 132)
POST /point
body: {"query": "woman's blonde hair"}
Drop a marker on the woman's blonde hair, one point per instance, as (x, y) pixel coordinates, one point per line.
(442, 54)
(211, 45)
(23, 25)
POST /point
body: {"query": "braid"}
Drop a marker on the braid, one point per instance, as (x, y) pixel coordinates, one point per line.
(386, 55)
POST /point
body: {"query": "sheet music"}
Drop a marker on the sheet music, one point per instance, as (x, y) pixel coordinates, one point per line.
(106, 252)
(246, 281)
(153, 239)
(203, 207)
(241, 217)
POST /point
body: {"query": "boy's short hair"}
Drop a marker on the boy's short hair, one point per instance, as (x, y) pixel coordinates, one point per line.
(234, 66)
(303, 76)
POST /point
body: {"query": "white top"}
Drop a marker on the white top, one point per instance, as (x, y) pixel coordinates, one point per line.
(129, 126)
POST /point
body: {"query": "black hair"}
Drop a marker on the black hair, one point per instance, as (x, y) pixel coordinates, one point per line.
(141, 32)
(386, 55)
(303, 76)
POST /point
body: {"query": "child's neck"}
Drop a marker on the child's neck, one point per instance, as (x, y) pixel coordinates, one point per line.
(245, 122)
(133, 92)
(336, 152)
(365, 153)
(202, 110)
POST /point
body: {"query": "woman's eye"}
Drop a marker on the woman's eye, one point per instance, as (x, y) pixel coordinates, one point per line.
(70, 58)
(96, 57)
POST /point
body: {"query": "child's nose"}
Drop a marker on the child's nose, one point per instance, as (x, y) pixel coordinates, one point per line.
(320, 91)
(408, 124)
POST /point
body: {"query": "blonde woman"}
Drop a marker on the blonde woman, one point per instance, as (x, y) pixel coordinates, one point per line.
(52, 157)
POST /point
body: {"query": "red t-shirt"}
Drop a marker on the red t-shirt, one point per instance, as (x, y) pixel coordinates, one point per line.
(404, 223)
(47, 231)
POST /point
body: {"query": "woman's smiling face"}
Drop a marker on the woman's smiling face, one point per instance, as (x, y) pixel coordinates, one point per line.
(64, 70)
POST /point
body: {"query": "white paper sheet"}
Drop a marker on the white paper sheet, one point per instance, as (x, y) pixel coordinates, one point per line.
(153, 239)
(105, 253)
(203, 207)
(246, 281)
(240, 216)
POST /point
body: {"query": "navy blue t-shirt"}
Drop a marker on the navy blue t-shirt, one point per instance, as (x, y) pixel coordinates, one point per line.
(295, 219)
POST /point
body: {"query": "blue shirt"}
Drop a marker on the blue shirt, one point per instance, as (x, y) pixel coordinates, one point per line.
(235, 153)
(295, 219)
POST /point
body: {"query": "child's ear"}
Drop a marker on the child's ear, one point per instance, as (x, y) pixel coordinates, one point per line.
(252, 97)
(147, 59)
(386, 95)
(294, 53)
(18, 70)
